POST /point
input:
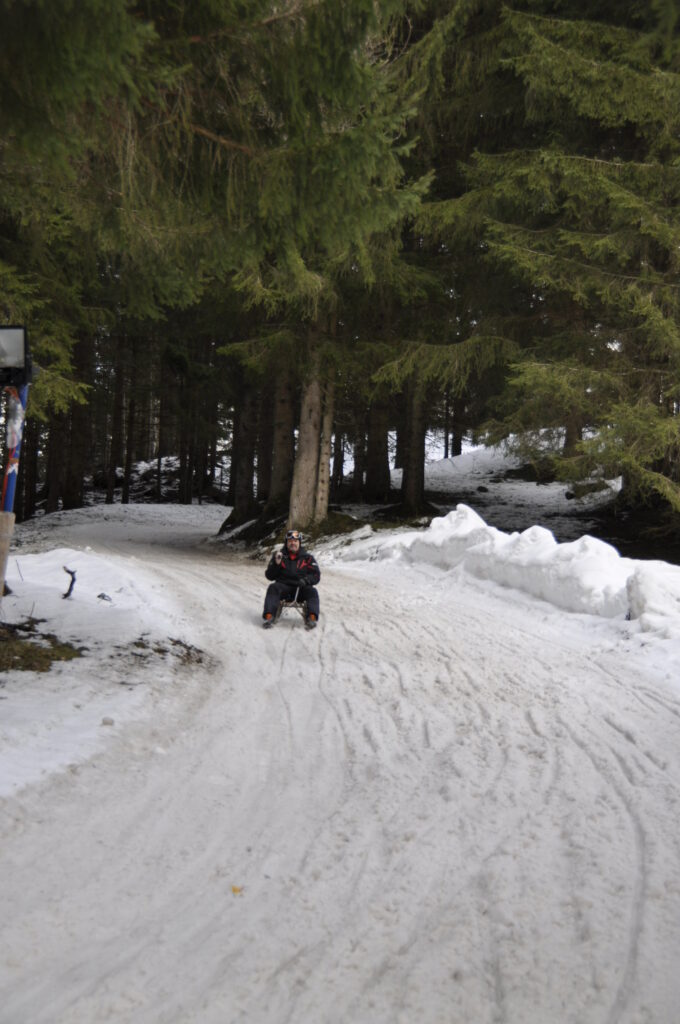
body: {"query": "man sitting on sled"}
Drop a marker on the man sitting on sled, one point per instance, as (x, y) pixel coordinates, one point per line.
(294, 573)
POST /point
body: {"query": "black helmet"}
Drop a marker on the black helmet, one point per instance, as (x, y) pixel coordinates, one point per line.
(294, 535)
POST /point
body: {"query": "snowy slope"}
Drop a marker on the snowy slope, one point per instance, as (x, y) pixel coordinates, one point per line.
(454, 801)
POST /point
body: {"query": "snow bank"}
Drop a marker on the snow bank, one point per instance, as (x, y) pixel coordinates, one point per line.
(586, 575)
(117, 612)
(654, 597)
(112, 601)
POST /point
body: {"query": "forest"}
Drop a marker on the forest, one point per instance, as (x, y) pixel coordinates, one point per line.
(280, 232)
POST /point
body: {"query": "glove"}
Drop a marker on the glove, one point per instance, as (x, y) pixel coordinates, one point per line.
(303, 581)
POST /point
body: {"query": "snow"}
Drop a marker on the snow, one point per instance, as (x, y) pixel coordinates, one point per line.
(456, 800)
(586, 575)
(480, 476)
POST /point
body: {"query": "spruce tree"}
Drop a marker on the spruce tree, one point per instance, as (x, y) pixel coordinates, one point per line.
(320, 176)
(62, 69)
(569, 195)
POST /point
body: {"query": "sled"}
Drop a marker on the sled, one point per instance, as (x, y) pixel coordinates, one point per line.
(299, 606)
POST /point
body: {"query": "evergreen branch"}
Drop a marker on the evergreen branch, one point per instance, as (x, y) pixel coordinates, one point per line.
(598, 30)
(454, 364)
(612, 92)
(591, 268)
(617, 165)
(637, 198)
(662, 485)
(614, 165)
(596, 27)
(578, 370)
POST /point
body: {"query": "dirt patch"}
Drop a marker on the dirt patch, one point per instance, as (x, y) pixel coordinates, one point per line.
(24, 648)
(144, 650)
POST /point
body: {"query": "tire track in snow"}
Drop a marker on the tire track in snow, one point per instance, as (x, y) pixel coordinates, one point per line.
(625, 987)
(279, 676)
(493, 670)
(498, 749)
(672, 707)
(385, 969)
(391, 870)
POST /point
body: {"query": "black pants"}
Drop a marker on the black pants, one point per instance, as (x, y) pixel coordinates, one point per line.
(280, 591)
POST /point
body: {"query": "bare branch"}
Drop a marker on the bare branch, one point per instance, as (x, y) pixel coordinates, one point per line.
(220, 140)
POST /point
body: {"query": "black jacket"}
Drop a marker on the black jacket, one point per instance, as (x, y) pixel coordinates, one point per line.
(299, 571)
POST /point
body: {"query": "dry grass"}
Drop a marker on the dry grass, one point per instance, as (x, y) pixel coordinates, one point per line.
(24, 648)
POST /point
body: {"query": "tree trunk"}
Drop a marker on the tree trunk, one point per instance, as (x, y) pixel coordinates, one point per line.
(377, 486)
(323, 485)
(305, 470)
(265, 444)
(165, 411)
(233, 454)
(573, 435)
(28, 470)
(167, 433)
(116, 449)
(184, 441)
(458, 427)
(55, 461)
(402, 431)
(242, 470)
(338, 463)
(283, 443)
(456, 443)
(131, 424)
(356, 489)
(143, 447)
(77, 456)
(80, 440)
(192, 427)
(212, 454)
(132, 430)
(413, 482)
(201, 477)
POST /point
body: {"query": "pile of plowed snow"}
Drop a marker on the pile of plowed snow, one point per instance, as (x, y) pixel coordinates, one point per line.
(586, 575)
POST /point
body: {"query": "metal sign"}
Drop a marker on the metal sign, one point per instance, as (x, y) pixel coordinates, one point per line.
(15, 359)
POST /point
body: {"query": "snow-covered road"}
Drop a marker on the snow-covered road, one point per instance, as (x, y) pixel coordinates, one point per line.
(441, 806)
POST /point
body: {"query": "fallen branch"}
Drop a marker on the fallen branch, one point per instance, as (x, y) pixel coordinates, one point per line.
(72, 574)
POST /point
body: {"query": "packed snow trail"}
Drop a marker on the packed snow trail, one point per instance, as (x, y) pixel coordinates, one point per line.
(432, 809)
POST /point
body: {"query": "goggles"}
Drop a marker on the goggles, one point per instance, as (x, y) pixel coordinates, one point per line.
(294, 535)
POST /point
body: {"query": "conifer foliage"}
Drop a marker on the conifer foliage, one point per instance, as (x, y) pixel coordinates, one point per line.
(571, 192)
(290, 228)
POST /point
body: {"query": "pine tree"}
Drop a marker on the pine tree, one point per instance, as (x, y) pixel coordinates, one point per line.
(447, 308)
(570, 199)
(326, 178)
(61, 67)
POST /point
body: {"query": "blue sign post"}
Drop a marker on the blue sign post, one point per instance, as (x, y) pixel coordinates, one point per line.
(16, 414)
(15, 377)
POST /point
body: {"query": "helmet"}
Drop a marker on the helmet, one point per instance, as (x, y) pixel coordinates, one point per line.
(294, 535)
